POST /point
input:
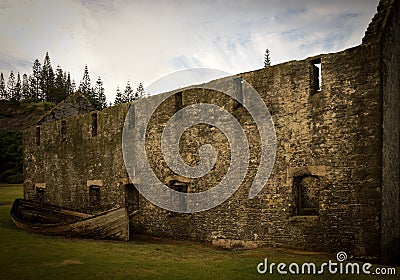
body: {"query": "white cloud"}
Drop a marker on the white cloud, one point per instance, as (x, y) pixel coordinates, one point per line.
(144, 40)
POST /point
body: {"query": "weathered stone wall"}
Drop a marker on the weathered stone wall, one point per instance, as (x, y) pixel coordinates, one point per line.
(328, 135)
(66, 166)
(390, 219)
(329, 157)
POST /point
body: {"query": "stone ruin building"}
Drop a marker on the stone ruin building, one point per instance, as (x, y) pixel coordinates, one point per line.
(335, 183)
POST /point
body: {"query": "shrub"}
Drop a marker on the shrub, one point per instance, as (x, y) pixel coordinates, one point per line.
(11, 157)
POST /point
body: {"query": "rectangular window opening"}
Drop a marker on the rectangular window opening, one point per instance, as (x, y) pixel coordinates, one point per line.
(40, 194)
(306, 195)
(94, 196)
(238, 88)
(132, 114)
(63, 131)
(178, 101)
(94, 124)
(316, 75)
(38, 136)
(180, 187)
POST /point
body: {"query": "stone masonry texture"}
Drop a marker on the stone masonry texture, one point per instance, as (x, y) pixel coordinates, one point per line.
(335, 183)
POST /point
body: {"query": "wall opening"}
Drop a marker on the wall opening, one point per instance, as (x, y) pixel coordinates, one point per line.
(131, 198)
(316, 75)
(179, 187)
(94, 124)
(94, 196)
(306, 195)
(40, 194)
(63, 131)
(38, 136)
(178, 101)
(131, 120)
(238, 85)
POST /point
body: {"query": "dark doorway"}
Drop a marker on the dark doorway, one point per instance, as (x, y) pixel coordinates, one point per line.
(131, 198)
(180, 187)
(94, 196)
(40, 194)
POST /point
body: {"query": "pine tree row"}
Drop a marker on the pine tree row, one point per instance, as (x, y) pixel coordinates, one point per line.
(42, 85)
(45, 85)
(95, 94)
(128, 95)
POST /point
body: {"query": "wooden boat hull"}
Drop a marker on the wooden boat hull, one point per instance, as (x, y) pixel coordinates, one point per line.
(53, 220)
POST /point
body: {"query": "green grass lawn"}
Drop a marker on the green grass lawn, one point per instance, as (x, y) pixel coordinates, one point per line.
(9, 192)
(25, 255)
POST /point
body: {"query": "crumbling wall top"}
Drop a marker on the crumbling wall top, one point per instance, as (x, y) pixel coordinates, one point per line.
(378, 24)
(75, 104)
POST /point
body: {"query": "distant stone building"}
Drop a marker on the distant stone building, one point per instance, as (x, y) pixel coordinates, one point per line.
(335, 183)
(75, 104)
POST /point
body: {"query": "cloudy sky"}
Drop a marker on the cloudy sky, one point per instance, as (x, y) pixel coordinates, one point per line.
(135, 40)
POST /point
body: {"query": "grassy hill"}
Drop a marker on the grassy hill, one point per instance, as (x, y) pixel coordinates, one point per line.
(14, 118)
(18, 116)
